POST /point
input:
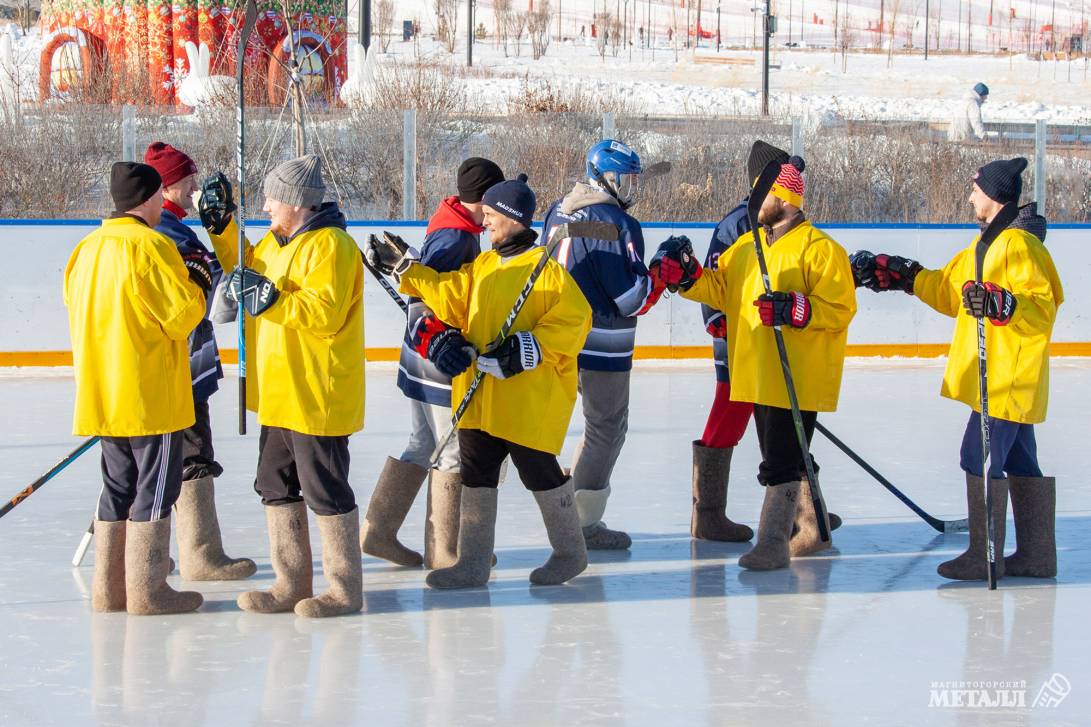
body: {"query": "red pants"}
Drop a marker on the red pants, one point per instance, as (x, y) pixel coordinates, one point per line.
(728, 419)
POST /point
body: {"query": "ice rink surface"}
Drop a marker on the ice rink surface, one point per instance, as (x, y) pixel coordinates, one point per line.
(672, 633)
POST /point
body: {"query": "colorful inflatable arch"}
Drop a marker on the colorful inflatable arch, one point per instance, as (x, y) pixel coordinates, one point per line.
(133, 51)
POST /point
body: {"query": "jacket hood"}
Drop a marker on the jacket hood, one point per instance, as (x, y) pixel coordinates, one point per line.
(585, 195)
(328, 215)
(1029, 220)
(452, 215)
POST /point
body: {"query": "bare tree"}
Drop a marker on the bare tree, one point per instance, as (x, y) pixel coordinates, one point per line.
(384, 23)
(515, 24)
(603, 22)
(895, 9)
(847, 36)
(25, 13)
(615, 34)
(446, 12)
(501, 10)
(537, 23)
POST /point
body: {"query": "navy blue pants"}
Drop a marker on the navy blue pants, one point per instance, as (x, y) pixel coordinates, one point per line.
(1012, 445)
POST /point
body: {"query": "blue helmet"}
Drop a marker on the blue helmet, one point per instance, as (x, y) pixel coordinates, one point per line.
(613, 165)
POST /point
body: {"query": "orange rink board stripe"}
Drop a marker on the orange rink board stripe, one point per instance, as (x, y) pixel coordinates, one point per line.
(867, 350)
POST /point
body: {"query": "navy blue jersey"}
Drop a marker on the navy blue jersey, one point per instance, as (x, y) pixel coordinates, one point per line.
(445, 249)
(204, 357)
(613, 278)
(733, 226)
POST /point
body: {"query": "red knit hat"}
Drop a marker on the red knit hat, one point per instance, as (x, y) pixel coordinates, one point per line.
(171, 164)
(789, 184)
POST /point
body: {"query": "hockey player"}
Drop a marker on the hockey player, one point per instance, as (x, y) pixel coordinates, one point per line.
(451, 241)
(525, 400)
(1019, 297)
(727, 419)
(814, 301)
(131, 305)
(303, 285)
(200, 546)
(619, 288)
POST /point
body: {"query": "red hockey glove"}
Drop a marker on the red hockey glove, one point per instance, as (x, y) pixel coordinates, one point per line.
(784, 309)
(988, 300)
(717, 327)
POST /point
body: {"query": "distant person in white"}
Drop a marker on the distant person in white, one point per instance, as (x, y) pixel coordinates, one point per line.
(966, 124)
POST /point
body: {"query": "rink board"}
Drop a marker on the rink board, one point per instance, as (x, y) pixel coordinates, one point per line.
(34, 330)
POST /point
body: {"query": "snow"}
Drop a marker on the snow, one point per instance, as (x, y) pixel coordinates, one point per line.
(671, 633)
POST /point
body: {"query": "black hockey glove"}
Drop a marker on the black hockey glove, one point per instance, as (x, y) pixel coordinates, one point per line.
(784, 309)
(444, 346)
(896, 273)
(217, 203)
(391, 255)
(517, 353)
(989, 300)
(863, 270)
(256, 291)
(198, 268)
(676, 264)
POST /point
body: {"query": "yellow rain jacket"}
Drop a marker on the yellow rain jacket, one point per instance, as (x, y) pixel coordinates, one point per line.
(1018, 353)
(804, 260)
(131, 307)
(532, 408)
(305, 354)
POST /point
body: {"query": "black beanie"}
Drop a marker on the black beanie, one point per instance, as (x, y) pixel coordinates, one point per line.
(514, 199)
(760, 155)
(475, 176)
(132, 184)
(1002, 180)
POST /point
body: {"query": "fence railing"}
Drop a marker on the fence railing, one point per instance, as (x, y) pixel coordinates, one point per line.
(401, 164)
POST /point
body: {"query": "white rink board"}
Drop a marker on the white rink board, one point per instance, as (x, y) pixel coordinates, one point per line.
(32, 315)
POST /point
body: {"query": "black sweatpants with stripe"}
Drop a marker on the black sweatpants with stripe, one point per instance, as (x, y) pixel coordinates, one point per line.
(141, 477)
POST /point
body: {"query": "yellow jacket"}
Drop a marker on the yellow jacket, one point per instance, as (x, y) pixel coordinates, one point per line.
(804, 260)
(131, 307)
(305, 354)
(532, 408)
(1018, 353)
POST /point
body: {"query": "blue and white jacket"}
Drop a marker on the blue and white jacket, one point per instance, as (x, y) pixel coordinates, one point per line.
(451, 241)
(204, 356)
(734, 225)
(612, 275)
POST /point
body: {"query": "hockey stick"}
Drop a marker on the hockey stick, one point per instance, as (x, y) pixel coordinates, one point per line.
(383, 281)
(943, 526)
(53, 472)
(999, 223)
(85, 543)
(592, 229)
(757, 196)
(249, 19)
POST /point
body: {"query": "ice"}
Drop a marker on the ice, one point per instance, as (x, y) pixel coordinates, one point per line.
(672, 633)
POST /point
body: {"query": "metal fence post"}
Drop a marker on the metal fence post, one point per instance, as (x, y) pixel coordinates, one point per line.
(608, 126)
(409, 165)
(797, 136)
(1040, 165)
(128, 133)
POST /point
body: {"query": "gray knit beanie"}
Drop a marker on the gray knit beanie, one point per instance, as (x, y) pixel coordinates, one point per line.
(297, 182)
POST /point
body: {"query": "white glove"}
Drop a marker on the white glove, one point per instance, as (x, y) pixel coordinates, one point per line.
(517, 353)
(224, 309)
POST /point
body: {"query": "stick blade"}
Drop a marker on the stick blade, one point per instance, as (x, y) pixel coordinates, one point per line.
(956, 526)
(591, 229)
(656, 170)
(250, 19)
